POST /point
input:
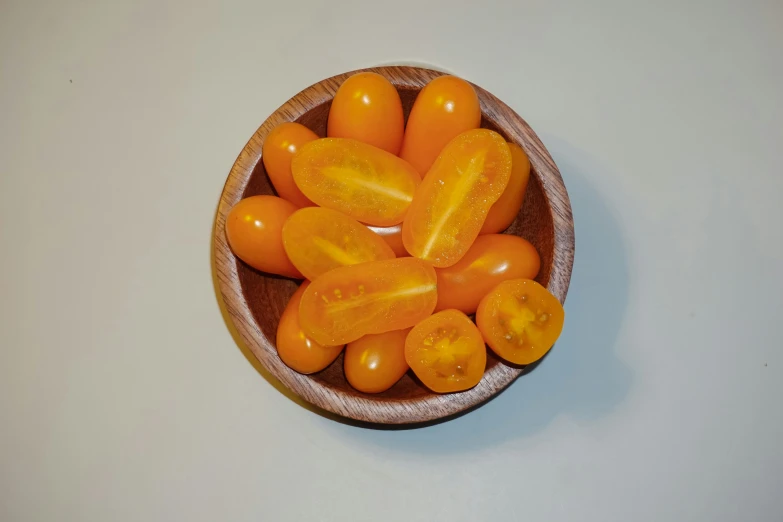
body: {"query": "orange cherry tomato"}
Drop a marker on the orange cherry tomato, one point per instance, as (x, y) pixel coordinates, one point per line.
(367, 108)
(320, 239)
(520, 320)
(351, 301)
(505, 209)
(393, 237)
(453, 200)
(491, 259)
(365, 182)
(254, 232)
(445, 108)
(374, 363)
(446, 352)
(296, 349)
(279, 148)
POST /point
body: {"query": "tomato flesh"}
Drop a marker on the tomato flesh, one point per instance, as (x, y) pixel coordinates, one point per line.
(491, 259)
(446, 352)
(393, 238)
(375, 297)
(295, 349)
(520, 320)
(374, 363)
(453, 199)
(362, 181)
(320, 239)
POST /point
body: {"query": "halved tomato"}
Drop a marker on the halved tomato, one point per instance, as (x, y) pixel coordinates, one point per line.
(520, 320)
(453, 199)
(320, 239)
(351, 301)
(446, 352)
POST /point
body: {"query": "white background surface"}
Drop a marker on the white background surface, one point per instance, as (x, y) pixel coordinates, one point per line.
(124, 397)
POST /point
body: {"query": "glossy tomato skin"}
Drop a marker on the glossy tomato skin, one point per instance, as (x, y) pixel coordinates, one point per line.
(367, 108)
(371, 298)
(446, 352)
(505, 209)
(453, 199)
(445, 108)
(317, 240)
(296, 350)
(254, 232)
(520, 320)
(393, 237)
(374, 363)
(362, 181)
(279, 148)
(491, 259)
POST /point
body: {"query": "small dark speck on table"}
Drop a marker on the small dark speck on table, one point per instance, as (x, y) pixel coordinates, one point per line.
(70, 81)
(765, 364)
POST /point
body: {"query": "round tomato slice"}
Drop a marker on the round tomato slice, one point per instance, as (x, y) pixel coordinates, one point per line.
(446, 352)
(374, 363)
(279, 148)
(375, 297)
(367, 108)
(491, 259)
(362, 181)
(319, 239)
(453, 199)
(254, 231)
(505, 209)
(520, 320)
(294, 347)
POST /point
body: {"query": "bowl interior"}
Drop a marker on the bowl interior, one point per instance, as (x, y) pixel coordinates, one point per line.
(266, 295)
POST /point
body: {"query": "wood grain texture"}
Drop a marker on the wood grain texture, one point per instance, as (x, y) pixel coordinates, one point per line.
(255, 300)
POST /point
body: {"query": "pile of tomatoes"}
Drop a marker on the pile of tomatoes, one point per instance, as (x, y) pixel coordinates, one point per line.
(396, 231)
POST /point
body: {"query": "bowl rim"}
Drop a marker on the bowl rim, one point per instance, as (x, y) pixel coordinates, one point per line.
(356, 406)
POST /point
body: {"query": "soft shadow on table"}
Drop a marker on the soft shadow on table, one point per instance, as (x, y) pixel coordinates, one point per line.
(582, 377)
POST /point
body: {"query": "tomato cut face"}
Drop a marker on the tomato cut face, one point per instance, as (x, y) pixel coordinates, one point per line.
(375, 297)
(367, 108)
(453, 200)
(375, 362)
(520, 320)
(393, 238)
(362, 181)
(254, 231)
(445, 108)
(320, 239)
(505, 209)
(279, 148)
(446, 352)
(491, 259)
(296, 350)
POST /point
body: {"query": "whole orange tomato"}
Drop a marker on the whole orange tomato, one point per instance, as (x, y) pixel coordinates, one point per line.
(279, 148)
(505, 209)
(393, 237)
(375, 297)
(373, 363)
(296, 349)
(491, 259)
(367, 108)
(446, 352)
(453, 199)
(319, 239)
(254, 232)
(444, 108)
(362, 181)
(520, 320)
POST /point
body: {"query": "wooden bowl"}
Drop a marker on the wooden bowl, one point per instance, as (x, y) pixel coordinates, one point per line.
(256, 300)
